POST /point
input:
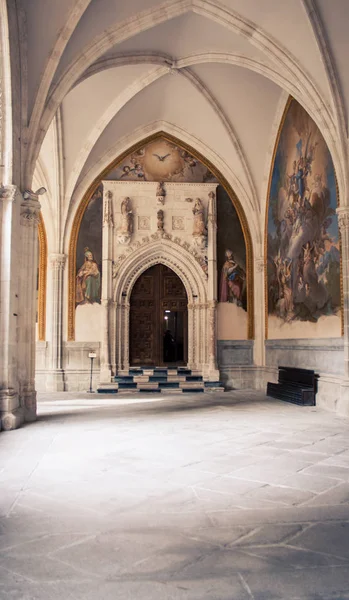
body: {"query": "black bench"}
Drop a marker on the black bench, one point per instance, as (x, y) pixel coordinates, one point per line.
(294, 385)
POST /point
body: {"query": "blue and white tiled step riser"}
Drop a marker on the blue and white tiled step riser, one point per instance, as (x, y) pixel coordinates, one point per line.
(158, 379)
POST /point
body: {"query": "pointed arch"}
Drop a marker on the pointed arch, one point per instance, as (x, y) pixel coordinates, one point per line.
(77, 219)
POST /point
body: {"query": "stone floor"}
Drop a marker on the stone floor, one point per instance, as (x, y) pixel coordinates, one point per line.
(207, 497)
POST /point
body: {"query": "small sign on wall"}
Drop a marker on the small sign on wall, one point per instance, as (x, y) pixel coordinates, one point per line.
(92, 355)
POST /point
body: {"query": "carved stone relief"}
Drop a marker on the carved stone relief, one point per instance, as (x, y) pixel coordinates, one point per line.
(126, 227)
(160, 220)
(199, 225)
(177, 223)
(160, 193)
(143, 223)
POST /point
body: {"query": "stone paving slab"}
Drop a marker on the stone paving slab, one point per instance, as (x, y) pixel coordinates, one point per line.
(228, 497)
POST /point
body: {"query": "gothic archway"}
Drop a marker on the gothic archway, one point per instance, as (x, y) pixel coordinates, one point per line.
(201, 322)
(158, 319)
(93, 188)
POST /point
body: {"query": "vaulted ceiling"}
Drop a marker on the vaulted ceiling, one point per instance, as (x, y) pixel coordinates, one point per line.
(104, 74)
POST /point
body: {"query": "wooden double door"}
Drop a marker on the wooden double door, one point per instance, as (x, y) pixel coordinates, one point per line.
(158, 319)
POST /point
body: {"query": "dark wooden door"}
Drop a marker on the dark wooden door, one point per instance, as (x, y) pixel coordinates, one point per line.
(158, 304)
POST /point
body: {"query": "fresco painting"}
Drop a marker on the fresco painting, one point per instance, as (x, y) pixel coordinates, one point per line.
(303, 275)
(89, 253)
(232, 318)
(231, 253)
(161, 160)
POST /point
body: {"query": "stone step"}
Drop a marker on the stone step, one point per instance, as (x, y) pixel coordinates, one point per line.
(152, 385)
(191, 384)
(169, 385)
(160, 379)
(128, 385)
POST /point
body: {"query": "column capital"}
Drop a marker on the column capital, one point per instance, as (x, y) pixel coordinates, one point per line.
(30, 210)
(343, 217)
(8, 193)
(57, 260)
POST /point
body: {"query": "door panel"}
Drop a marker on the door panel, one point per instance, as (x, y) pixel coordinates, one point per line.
(158, 302)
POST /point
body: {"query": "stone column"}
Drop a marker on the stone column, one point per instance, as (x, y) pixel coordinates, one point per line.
(259, 312)
(192, 342)
(11, 413)
(55, 376)
(213, 373)
(29, 219)
(343, 222)
(107, 263)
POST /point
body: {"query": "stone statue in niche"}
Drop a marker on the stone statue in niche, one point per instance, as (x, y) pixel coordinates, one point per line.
(160, 220)
(199, 226)
(160, 193)
(125, 230)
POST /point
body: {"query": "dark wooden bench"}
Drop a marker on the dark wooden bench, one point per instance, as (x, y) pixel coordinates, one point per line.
(294, 385)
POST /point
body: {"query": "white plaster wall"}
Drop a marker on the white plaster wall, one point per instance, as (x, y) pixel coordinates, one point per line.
(238, 90)
(174, 99)
(88, 323)
(86, 103)
(175, 38)
(43, 20)
(328, 326)
(232, 322)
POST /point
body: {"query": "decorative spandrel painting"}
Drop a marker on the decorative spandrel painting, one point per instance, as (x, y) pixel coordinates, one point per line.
(231, 265)
(161, 160)
(303, 242)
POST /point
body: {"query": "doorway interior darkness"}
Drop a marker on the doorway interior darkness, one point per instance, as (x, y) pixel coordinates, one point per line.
(158, 319)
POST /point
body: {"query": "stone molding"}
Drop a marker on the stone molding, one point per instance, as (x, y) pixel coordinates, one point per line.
(161, 249)
(152, 238)
(57, 261)
(30, 212)
(8, 193)
(259, 262)
(343, 218)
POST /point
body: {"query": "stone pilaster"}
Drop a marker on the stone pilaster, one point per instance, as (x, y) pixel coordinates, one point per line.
(11, 413)
(107, 278)
(213, 373)
(343, 222)
(29, 219)
(55, 375)
(259, 311)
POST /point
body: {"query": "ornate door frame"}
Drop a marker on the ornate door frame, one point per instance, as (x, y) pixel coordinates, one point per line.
(201, 308)
(157, 289)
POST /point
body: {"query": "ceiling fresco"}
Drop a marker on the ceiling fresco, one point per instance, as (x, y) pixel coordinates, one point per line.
(161, 160)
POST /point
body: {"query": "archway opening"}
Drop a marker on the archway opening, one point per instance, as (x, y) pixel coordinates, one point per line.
(158, 319)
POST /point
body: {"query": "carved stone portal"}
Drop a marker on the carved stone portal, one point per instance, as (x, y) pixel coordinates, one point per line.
(184, 248)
